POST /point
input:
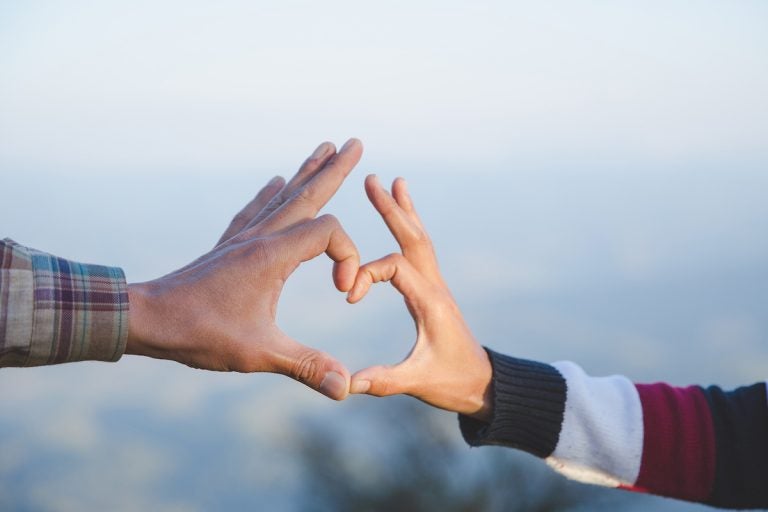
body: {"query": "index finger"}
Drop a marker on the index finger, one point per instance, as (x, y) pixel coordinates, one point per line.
(323, 234)
(401, 219)
(315, 193)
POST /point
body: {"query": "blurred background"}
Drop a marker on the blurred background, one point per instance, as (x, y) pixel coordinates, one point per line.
(593, 175)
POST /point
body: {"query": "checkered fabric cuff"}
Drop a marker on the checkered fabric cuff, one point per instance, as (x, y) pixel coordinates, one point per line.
(54, 310)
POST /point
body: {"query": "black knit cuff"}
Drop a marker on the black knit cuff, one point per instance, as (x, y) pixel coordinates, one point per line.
(528, 406)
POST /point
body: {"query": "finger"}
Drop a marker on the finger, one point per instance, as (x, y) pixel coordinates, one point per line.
(312, 196)
(252, 209)
(381, 381)
(403, 197)
(396, 219)
(311, 166)
(314, 368)
(395, 268)
(314, 163)
(323, 234)
(410, 236)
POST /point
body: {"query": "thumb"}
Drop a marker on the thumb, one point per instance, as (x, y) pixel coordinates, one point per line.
(380, 381)
(315, 368)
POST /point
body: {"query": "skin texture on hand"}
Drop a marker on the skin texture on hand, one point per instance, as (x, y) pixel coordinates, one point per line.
(447, 367)
(218, 312)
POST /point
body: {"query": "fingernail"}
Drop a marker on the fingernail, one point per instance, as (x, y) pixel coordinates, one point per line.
(321, 150)
(351, 292)
(274, 181)
(360, 386)
(348, 144)
(333, 385)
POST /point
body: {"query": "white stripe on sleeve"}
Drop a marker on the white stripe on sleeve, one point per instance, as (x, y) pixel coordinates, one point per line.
(601, 440)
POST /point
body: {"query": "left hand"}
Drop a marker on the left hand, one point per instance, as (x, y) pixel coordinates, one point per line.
(447, 367)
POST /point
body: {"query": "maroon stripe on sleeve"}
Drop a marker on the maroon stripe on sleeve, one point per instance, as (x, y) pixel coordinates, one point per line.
(679, 442)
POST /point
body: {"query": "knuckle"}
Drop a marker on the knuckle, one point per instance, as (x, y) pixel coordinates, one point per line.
(329, 217)
(329, 220)
(239, 217)
(262, 254)
(306, 368)
(305, 194)
(395, 262)
(369, 274)
(395, 258)
(275, 202)
(421, 238)
(385, 386)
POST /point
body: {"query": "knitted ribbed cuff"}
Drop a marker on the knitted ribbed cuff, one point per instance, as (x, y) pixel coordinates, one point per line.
(528, 407)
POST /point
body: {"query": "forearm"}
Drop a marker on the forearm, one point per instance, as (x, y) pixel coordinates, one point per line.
(54, 310)
(690, 443)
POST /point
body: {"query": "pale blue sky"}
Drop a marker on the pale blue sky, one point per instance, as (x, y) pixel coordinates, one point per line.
(175, 85)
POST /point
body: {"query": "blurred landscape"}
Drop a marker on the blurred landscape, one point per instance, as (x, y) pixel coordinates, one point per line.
(593, 177)
(659, 276)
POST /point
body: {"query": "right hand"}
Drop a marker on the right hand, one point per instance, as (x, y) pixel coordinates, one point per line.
(447, 367)
(218, 312)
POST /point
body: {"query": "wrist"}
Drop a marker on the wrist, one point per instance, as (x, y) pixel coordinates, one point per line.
(140, 323)
(484, 391)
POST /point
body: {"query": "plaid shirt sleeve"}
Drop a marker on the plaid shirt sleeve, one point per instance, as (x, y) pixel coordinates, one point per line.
(54, 310)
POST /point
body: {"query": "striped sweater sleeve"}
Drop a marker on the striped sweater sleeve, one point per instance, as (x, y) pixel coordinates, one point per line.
(54, 310)
(697, 444)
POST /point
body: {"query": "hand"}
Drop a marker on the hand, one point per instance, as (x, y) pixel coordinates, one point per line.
(218, 312)
(447, 367)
